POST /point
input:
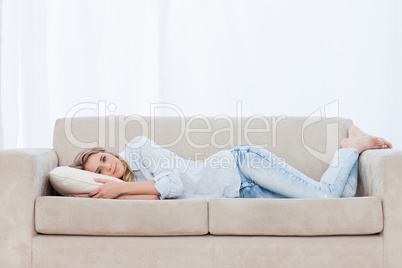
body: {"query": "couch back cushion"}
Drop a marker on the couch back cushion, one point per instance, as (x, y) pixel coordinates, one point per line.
(306, 143)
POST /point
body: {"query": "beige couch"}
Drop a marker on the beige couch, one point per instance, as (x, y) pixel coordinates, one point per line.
(38, 230)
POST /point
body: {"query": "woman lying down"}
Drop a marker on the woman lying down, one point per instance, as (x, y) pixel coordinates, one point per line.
(150, 172)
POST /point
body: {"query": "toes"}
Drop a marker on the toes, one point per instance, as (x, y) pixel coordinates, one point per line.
(377, 142)
(386, 143)
(389, 145)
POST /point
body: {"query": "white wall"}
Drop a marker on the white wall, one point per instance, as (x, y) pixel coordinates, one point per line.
(277, 57)
(288, 57)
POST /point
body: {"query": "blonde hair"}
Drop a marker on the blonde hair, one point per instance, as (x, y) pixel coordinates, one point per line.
(81, 159)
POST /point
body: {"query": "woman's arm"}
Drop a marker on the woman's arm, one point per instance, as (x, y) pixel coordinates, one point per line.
(161, 163)
(122, 197)
(165, 178)
(140, 188)
(114, 189)
(138, 197)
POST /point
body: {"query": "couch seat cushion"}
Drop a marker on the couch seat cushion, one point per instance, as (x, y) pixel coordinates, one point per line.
(295, 217)
(86, 216)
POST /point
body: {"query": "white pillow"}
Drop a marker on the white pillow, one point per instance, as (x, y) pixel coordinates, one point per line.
(67, 180)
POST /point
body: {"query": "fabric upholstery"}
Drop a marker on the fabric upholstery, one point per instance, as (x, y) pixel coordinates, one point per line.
(381, 175)
(24, 176)
(306, 143)
(86, 216)
(207, 251)
(302, 142)
(295, 217)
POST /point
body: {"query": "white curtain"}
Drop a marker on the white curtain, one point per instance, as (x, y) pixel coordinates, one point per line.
(60, 55)
(245, 57)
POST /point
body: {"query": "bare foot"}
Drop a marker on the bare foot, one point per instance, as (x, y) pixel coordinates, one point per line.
(355, 131)
(362, 143)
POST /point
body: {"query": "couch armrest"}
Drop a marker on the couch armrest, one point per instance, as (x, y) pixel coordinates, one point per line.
(23, 177)
(380, 174)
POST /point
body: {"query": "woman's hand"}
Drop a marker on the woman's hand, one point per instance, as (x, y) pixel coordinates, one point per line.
(110, 189)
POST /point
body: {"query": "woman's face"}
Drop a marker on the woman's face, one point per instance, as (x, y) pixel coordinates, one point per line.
(106, 164)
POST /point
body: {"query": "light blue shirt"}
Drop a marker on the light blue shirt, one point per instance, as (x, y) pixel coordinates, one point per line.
(176, 177)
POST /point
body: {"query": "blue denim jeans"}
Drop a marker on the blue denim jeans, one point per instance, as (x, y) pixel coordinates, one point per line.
(263, 175)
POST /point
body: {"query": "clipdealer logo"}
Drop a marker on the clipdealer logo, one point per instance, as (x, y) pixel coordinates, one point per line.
(114, 127)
